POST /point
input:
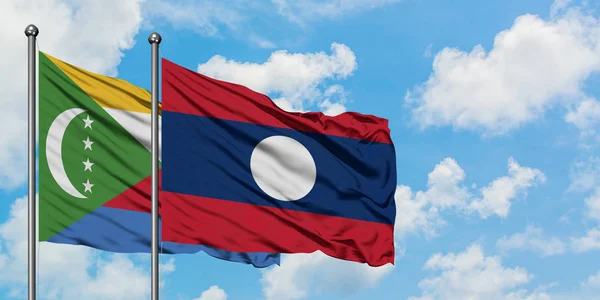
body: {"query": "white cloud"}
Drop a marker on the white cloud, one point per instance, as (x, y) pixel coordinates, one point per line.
(443, 185)
(585, 175)
(532, 67)
(588, 290)
(167, 267)
(497, 195)
(213, 17)
(533, 240)
(586, 115)
(116, 278)
(535, 295)
(310, 10)
(73, 31)
(84, 272)
(420, 211)
(592, 283)
(332, 109)
(202, 16)
(591, 241)
(415, 214)
(335, 98)
(472, 275)
(241, 17)
(559, 6)
(261, 42)
(297, 78)
(593, 205)
(286, 105)
(427, 53)
(213, 293)
(302, 274)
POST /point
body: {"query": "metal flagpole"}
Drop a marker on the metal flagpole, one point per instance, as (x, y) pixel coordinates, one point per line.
(154, 40)
(31, 32)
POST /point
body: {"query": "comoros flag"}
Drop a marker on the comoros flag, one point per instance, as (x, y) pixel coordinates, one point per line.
(243, 175)
(95, 164)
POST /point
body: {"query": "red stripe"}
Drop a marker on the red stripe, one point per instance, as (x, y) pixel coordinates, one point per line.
(137, 197)
(241, 227)
(189, 92)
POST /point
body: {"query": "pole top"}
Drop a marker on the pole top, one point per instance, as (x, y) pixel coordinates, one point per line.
(154, 38)
(31, 30)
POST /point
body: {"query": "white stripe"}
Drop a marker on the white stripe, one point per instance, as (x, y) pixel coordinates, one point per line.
(138, 125)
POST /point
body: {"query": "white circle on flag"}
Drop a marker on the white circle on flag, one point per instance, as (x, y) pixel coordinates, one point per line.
(283, 168)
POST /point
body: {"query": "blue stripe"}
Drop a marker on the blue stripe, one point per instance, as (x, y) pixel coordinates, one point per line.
(125, 231)
(210, 158)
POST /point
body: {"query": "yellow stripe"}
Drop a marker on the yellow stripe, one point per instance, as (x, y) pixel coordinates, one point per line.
(108, 92)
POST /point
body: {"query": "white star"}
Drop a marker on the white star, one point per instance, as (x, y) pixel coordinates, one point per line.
(88, 165)
(88, 122)
(88, 186)
(88, 143)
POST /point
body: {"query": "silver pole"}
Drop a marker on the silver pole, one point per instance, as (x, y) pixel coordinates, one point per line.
(31, 32)
(154, 40)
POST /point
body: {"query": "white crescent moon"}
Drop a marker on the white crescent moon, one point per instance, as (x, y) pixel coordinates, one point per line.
(54, 150)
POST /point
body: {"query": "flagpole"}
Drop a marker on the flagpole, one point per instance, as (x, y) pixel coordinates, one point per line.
(154, 39)
(31, 32)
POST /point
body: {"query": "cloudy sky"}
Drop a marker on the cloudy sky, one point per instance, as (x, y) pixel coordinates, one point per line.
(493, 108)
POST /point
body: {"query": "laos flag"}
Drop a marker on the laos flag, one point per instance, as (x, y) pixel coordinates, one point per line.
(242, 175)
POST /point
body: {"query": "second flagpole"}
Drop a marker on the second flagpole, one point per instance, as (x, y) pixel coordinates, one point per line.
(154, 39)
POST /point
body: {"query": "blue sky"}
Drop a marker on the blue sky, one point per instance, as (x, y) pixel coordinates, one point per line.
(493, 111)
